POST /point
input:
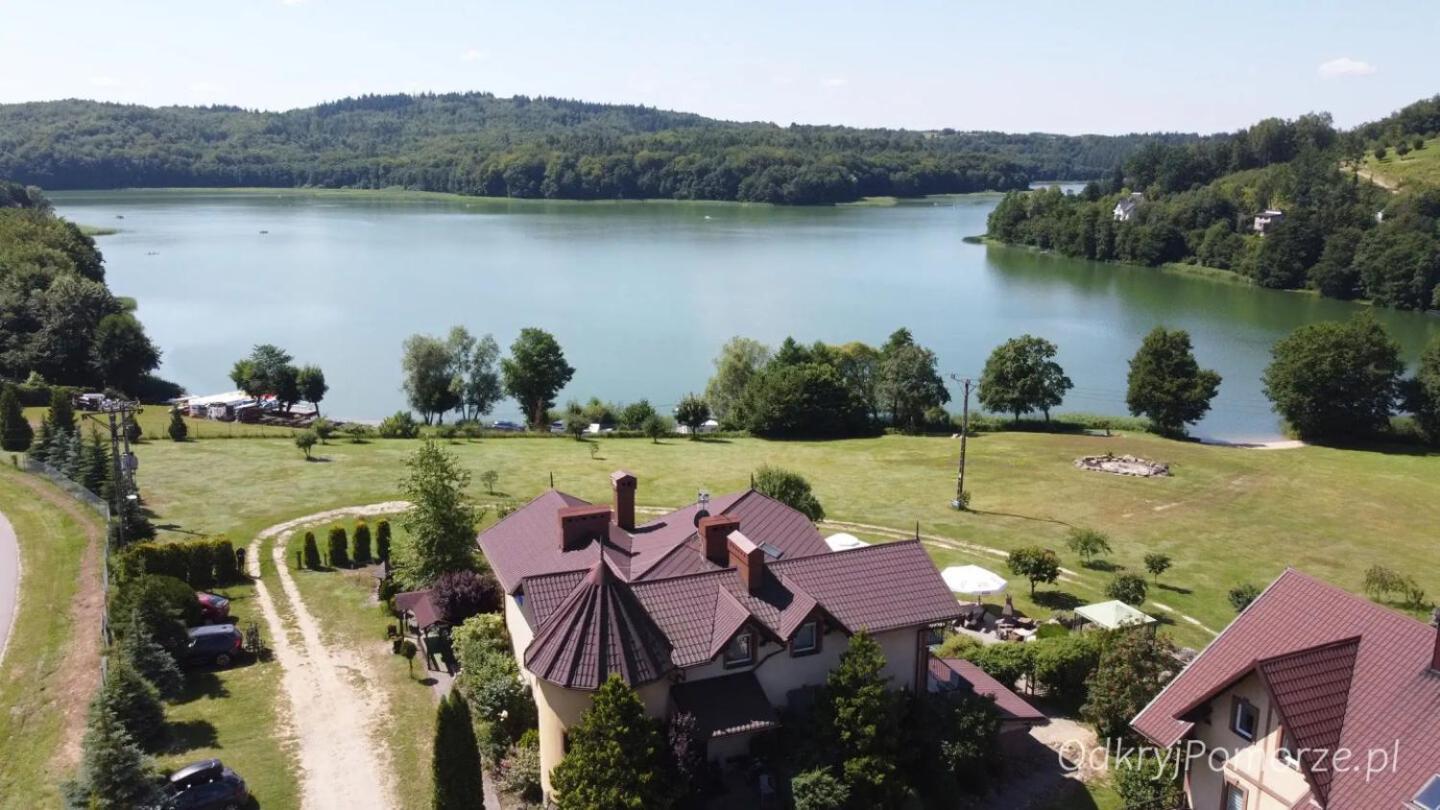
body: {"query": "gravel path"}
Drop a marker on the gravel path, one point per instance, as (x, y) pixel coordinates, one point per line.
(335, 715)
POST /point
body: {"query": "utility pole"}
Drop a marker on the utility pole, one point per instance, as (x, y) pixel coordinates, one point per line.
(119, 417)
(959, 502)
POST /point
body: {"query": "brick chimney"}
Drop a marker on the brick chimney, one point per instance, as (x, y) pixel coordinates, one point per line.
(713, 531)
(579, 525)
(624, 484)
(1435, 658)
(748, 559)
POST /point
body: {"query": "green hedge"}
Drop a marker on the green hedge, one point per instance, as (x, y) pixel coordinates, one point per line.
(199, 563)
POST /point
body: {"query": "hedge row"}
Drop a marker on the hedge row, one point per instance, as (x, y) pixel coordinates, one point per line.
(200, 563)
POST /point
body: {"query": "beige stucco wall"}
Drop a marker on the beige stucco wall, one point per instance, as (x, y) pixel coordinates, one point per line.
(520, 633)
(561, 708)
(1268, 782)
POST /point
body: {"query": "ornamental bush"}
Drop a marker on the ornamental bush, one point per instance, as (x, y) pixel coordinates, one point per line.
(177, 429)
(312, 552)
(360, 543)
(382, 540)
(338, 548)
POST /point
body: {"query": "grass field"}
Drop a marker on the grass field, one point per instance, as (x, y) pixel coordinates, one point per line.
(154, 422)
(34, 688)
(1227, 516)
(1421, 167)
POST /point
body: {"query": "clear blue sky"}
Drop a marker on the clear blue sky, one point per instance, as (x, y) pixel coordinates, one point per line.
(1035, 66)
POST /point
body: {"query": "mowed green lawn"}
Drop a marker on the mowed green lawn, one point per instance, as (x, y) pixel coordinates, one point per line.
(1227, 515)
(1421, 167)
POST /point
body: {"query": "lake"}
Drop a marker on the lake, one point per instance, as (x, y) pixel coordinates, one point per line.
(642, 295)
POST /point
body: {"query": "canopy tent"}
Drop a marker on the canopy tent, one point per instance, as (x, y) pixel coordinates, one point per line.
(972, 579)
(1113, 614)
(843, 542)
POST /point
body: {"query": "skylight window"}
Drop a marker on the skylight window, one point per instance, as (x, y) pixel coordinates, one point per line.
(1429, 796)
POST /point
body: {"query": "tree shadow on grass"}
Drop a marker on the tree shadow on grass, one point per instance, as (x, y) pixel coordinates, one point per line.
(1057, 600)
(1102, 565)
(201, 684)
(318, 460)
(711, 440)
(1173, 588)
(188, 735)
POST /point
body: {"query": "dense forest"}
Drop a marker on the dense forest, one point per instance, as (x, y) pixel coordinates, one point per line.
(59, 323)
(476, 143)
(1197, 203)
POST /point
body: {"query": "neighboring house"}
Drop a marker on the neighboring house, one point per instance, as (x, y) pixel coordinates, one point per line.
(1265, 219)
(1319, 698)
(956, 676)
(708, 426)
(1125, 209)
(723, 615)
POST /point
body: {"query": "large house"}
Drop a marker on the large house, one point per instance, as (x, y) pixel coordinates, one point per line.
(1312, 699)
(1126, 207)
(723, 612)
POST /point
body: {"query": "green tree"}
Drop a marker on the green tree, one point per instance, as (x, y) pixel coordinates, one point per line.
(15, 431)
(135, 702)
(360, 543)
(1087, 544)
(312, 553)
(789, 488)
(1424, 394)
(1134, 666)
(617, 757)
(633, 416)
(429, 377)
(535, 372)
(382, 540)
(1128, 588)
(123, 353)
(114, 773)
(1021, 376)
(177, 428)
(1157, 564)
(476, 377)
(267, 371)
(1242, 595)
(818, 789)
(739, 361)
(306, 441)
(311, 382)
(337, 546)
(862, 714)
(692, 412)
(1166, 384)
(1035, 564)
(62, 412)
(455, 763)
(1332, 380)
(440, 523)
(654, 428)
(1146, 781)
(909, 383)
(153, 662)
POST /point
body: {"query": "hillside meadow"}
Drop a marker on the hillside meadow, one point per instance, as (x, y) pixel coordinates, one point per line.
(1226, 516)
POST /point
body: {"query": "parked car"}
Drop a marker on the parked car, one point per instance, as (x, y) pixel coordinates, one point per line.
(218, 644)
(507, 426)
(205, 785)
(558, 426)
(214, 608)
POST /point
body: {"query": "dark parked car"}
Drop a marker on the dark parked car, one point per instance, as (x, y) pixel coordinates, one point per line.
(205, 785)
(214, 608)
(506, 426)
(218, 644)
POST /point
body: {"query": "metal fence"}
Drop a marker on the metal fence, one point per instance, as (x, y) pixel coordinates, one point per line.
(76, 491)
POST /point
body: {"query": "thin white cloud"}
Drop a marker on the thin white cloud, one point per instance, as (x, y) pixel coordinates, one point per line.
(104, 81)
(1345, 66)
(472, 55)
(834, 81)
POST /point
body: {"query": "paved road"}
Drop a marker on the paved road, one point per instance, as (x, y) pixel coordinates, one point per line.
(9, 581)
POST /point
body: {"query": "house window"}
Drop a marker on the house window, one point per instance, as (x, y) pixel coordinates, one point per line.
(1287, 753)
(740, 651)
(1244, 718)
(1234, 797)
(806, 639)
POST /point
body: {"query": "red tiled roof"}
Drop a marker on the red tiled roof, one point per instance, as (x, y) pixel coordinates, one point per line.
(731, 704)
(1311, 690)
(961, 673)
(875, 588)
(420, 605)
(1299, 631)
(599, 629)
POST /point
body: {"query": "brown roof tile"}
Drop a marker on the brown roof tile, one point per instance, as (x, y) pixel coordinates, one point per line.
(876, 588)
(1311, 690)
(960, 673)
(1393, 698)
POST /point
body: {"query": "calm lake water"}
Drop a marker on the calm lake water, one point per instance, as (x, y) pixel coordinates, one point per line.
(642, 295)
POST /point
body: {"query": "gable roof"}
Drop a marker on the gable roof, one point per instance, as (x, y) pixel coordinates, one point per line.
(1299, 636)
(875, 588)
(959, 673)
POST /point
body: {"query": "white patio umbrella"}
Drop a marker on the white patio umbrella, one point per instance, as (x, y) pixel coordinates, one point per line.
(973, 579)
(842, 541)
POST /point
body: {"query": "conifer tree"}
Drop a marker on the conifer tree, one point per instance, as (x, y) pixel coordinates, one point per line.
(135, 702)
(177, 429)
(312, 552)
(16, 435)
(114, 773)
(455, 764)
(62, 412)
(154, 663)
(74, 456)
(360, 543)
(93, 470)
(617, 756)
(339, 553)
(863, 717)
(382, 540)
(44, 438)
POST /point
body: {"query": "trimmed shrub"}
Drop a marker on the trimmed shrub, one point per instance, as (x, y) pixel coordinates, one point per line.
(312, 552)
(222, 555)
(177, 429)
(1128, 588)
(461, 594)
(382, 540)
(1006, 663)
(338, 548)
(200, 563)
(400, 425)
(360, 543)
(1063, 665)
(15, 432)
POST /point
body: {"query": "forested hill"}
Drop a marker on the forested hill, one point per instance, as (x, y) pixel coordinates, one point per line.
(1205, 202)
(476, 143)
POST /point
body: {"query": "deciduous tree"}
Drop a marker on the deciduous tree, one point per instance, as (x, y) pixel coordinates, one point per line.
(1022, 376)
(739, 360)
(535, 372)
(430, 386)
(692, 412)
(440, 523)
(789, 488)
(1035, 564)
(1134, 666)
(1166, 384)
(1332, 380)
